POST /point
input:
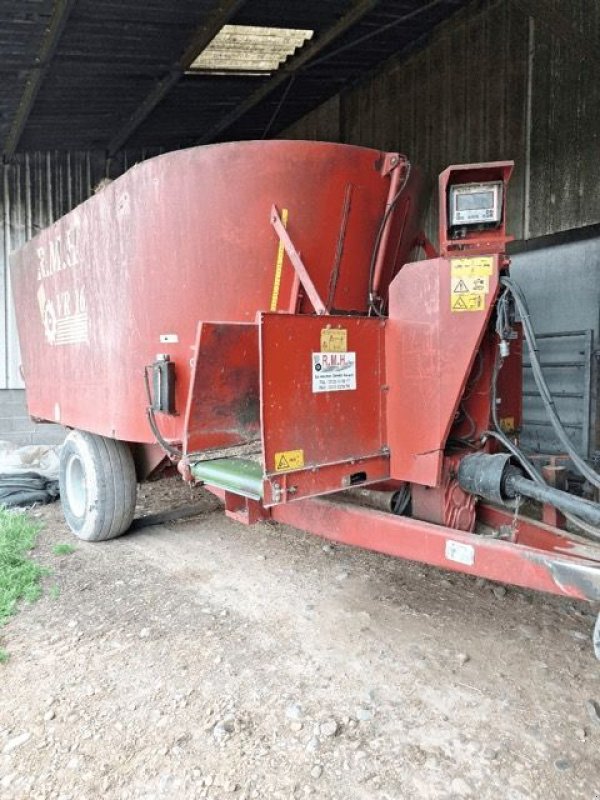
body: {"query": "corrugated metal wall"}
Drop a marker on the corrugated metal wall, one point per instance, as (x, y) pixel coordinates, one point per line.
(493, 83)
(36, 189)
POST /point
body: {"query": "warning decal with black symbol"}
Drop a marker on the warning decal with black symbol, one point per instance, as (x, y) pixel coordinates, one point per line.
(467, 291)
(289, 460)
(468, 302)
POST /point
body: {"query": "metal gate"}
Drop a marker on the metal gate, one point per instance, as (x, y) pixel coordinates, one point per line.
(567, 363)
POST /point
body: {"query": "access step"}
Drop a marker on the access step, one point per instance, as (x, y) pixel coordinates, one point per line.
(238, 475)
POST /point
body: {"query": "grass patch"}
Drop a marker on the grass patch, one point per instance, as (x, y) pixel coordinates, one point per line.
(19, 575)
(63, 549)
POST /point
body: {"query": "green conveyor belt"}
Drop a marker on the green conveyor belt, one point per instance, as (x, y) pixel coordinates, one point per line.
(238, 475)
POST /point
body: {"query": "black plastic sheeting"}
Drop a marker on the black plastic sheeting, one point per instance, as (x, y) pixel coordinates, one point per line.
(27, 488)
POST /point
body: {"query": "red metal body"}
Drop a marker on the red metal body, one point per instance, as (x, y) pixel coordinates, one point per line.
(182, 238)
(430, 355)
(263, 270)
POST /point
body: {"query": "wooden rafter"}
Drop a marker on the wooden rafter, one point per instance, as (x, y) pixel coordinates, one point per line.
(60, 15)
(357, 10)
(202, 37)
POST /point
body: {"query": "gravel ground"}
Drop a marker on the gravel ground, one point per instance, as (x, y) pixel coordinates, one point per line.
(205, 659)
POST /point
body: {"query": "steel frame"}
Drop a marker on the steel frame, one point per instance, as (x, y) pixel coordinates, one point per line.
(582, 390)
(515, 549)
(539, 557)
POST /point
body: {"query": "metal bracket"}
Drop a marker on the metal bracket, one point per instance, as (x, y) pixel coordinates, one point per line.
(391, 162)
(297, 263)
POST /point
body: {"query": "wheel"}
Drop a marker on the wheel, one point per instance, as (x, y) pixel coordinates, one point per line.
(596, 638)
(97, 486)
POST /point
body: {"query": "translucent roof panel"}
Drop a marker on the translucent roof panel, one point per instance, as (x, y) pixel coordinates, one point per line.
(249, 48)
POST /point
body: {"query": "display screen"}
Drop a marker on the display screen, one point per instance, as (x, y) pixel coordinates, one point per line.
(474, 201)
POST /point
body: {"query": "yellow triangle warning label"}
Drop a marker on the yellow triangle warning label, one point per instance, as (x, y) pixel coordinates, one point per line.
(288, 460)
(460, 288)
(459, 304)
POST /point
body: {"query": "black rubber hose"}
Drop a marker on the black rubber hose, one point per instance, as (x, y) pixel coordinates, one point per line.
(379, 236)
(542, 386)
(503, 323)
(502, 437)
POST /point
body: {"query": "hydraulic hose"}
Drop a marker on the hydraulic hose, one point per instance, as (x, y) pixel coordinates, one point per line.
(166, 446)
(503, 327)
(535, 476)
(547, 399)
(493, 477)
(503, 438)
(382, 226)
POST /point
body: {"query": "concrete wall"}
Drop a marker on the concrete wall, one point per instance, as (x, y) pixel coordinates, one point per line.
(493, 83)
(15, 425)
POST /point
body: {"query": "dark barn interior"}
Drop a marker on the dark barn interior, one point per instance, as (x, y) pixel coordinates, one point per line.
(330, 270)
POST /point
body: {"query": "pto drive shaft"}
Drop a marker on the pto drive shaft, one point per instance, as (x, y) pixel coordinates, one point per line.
(495, 478)
(568, 503)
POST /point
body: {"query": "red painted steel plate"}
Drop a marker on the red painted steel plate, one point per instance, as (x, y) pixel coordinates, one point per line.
(327, 405)
(430, 349)
(572, 575)
(223, 404)
(182, 238)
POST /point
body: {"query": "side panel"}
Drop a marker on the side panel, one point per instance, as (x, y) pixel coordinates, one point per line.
(223, 404)
(322, 409)
(431, 344)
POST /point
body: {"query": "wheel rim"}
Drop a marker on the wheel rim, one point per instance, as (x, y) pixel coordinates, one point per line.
(75, 485)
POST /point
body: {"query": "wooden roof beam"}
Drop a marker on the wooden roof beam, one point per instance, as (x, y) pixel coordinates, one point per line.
(202, 37)
(357, 10)
(60, 15)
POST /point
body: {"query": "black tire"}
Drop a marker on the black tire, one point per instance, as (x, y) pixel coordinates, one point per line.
(97, 486)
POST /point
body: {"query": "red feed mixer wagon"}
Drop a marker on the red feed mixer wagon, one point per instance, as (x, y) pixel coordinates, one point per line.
(249, 313)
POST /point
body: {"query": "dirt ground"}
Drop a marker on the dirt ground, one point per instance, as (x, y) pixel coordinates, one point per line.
(205, 659)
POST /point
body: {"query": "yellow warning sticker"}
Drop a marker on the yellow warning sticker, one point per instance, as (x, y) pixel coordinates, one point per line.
(288, 460)
(278, 266)
(470, 282)
(467, 302)
(474, 267)
(508, 424)
(334, 340)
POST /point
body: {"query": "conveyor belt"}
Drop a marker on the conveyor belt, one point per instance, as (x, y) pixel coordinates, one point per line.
(239, 475)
